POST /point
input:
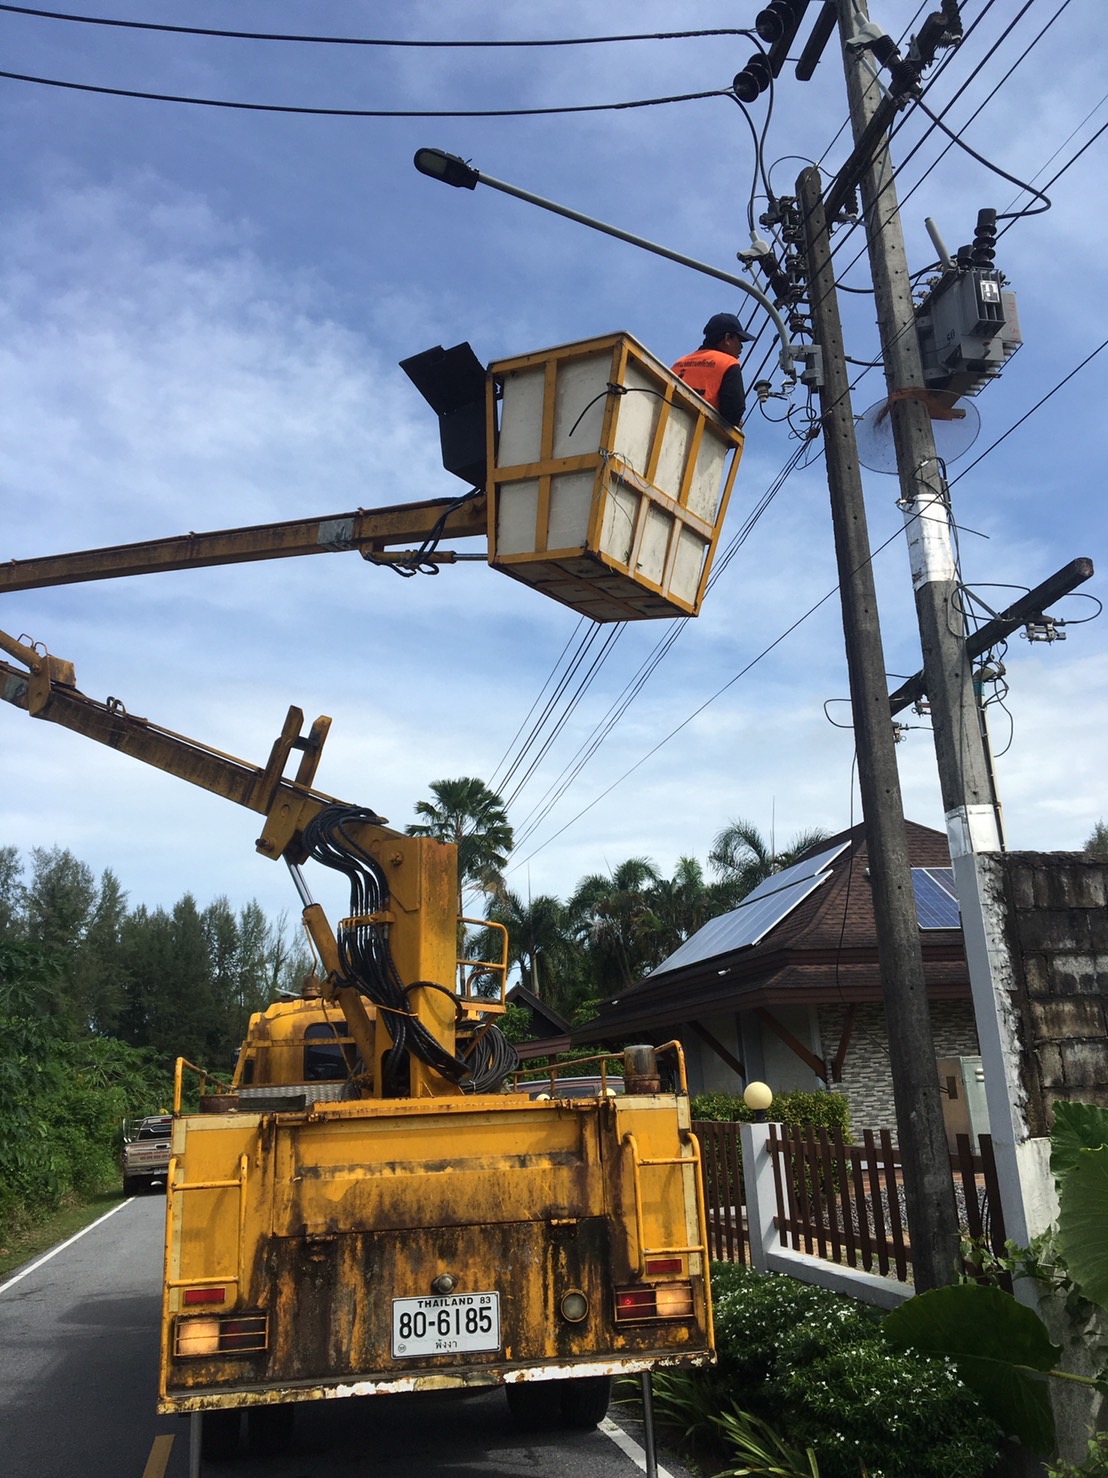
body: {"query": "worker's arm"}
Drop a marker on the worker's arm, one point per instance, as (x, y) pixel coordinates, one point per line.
(732, 395)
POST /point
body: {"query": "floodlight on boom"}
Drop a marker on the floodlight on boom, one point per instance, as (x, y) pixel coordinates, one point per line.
(452, 170)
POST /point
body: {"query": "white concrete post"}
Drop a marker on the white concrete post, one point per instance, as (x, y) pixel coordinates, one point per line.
(761, 1196)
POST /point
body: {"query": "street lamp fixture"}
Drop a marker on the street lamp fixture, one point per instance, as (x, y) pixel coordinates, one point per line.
(758, 1097)
(438, 165)
(451, 170)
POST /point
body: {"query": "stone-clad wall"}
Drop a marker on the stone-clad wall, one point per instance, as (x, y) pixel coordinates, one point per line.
(1058, 933)
(867, 1075)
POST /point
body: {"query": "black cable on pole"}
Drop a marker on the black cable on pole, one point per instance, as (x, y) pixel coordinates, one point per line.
(1028, 413)
(165, 97)
(99, 20)
(995, 168)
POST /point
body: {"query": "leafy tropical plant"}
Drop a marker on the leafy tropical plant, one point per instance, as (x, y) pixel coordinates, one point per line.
(759, 1450)
(1093, 1465)
(540, 945)
(614, 922)
(1079, 1162)
(1001, 1348)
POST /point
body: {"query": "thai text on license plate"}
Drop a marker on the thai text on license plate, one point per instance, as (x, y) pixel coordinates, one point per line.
(443, 1325)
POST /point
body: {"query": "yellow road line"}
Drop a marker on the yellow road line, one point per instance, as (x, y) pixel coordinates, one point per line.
(158, 1460)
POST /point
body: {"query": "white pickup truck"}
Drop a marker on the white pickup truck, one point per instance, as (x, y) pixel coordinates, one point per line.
(145, 1152)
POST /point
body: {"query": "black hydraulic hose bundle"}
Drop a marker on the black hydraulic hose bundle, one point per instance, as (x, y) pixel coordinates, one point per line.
(366, 962)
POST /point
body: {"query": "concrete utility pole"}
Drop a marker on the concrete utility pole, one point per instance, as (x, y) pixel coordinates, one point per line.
(971, 816)
(928, 1187)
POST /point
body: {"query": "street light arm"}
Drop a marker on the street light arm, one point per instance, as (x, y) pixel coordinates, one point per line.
(436, 164)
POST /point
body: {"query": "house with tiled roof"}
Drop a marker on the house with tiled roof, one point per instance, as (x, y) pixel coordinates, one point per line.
(786, 988)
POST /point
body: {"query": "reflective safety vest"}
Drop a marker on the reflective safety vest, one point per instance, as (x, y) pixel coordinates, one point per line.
(703, 370)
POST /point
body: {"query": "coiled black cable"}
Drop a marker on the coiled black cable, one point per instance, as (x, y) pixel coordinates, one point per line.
(366, 963)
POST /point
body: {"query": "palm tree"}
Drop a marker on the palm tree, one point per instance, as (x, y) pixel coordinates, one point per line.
(679, 906)
(742, 858)
(469, 814)
(540, 944)
(613, 919)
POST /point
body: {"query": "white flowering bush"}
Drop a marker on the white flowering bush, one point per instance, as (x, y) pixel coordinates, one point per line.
(814, 1365)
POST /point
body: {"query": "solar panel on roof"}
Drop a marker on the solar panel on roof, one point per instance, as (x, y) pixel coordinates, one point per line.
(936, 898)
(789, 875)
(760, 911)
(766, 913)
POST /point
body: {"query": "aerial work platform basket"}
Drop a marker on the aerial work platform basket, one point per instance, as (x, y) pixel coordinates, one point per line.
(608, 479)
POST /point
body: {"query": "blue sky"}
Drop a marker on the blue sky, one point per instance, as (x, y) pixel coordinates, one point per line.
(203, 313)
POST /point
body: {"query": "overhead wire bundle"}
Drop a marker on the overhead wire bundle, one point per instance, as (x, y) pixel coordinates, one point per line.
(366, 962)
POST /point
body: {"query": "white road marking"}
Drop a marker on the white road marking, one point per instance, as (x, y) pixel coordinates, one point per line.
(63, 1245)
(158, 1460)
(629, 1446)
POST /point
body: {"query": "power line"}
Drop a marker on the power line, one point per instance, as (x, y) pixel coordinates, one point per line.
(995, 168)
(166, 97)
(99, 20)
(631, 691)
(1041, 402)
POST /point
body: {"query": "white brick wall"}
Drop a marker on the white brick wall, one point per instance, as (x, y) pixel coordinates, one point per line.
(867, 1081)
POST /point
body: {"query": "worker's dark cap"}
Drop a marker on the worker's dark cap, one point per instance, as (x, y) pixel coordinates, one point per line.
(725, 323)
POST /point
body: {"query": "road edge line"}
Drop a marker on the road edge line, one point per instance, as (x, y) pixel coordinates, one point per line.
(628, 1445)
(30, 1268)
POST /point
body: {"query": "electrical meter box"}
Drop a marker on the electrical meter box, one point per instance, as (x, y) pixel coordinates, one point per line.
(965, 1111)
(608, 479)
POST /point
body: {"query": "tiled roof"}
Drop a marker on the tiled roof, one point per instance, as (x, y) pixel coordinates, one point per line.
(823, 949)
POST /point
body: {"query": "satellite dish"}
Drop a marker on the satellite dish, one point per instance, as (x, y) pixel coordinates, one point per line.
(955, 427)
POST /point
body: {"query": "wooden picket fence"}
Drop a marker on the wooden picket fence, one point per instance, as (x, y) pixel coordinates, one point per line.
(836, 1200)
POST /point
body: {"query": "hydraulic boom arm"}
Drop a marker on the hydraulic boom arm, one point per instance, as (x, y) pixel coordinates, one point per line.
(371, 531)
(47, 689)
(411, 925)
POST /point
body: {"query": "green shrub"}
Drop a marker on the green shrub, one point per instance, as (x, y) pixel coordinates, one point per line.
(903, 1417)
(823, 1110)
(767, 1323)
(812, 1364)
(1094, 1465)
(62, 1102)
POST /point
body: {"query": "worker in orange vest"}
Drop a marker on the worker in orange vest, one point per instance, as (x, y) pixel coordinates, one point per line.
(713, 369)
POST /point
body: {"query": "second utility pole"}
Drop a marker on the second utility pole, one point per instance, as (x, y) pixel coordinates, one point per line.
(928, 1187)
(964, 778)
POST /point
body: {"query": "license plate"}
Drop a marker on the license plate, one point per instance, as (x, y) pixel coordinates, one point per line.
(441, 1326)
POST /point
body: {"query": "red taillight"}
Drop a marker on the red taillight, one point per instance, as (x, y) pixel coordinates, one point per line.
(655, 1266)
(204, 1296)
(636, 1303)
(660, 1301)
(241, 1335)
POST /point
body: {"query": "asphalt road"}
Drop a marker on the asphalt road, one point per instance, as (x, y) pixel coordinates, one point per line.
(78, 1376)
